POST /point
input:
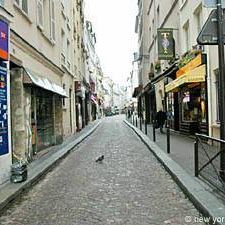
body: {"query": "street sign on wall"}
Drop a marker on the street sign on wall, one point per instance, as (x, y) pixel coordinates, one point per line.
(4, 51)
(4, 149)
(212, 3)
(209, 33)
(165, 44)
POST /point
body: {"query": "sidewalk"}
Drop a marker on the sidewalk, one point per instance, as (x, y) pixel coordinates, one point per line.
(201, 195)
(43, 163)
(181, 150)
(181, 146)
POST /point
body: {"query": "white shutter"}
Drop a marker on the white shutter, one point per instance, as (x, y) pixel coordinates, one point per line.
(40, 14)
(52, 20)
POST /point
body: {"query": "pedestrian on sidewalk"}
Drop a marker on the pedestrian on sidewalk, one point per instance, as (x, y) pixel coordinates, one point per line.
(160, 120)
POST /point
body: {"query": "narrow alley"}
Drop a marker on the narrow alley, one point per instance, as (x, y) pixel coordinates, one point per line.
(129, 187)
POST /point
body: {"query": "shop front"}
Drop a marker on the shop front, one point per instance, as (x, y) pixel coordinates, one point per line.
(187, 97)
(5, 137)
(138, 94)
(80, 96)
(160, 100)
(36, 104)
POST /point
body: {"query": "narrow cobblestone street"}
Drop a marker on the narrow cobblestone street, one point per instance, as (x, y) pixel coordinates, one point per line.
(129, 187)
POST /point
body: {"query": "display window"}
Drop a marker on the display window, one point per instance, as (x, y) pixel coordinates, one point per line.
(45, 121)
(171, 106)
(194, 104)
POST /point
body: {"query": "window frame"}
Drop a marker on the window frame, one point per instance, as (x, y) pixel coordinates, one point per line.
(52, 20)
(41, 2)
(22, 5)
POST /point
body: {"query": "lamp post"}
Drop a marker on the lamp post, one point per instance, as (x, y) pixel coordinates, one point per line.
(167, 119)
(221, 84)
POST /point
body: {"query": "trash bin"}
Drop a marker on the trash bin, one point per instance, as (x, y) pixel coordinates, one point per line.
(18, 172)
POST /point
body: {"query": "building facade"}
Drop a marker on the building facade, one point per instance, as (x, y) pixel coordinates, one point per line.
(46, 59)
(5, 117)
(186, 84)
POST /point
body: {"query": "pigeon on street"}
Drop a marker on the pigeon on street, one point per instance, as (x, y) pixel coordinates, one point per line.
(99, 159)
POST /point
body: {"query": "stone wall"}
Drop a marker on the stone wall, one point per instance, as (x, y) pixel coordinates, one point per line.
(18, 115)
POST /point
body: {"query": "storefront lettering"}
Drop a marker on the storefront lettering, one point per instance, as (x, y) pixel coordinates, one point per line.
(3, 40)
(197, 61)
(4, 149)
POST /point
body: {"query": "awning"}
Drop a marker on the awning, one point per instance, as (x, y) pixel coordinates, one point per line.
(137, 91)
(32, 78)
(169, 72)
(193, 76)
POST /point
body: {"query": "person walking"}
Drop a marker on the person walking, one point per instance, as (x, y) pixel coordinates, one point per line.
(160, 120)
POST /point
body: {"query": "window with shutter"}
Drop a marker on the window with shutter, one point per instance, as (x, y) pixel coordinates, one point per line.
(40, 14)
(23, 5)
(52, 20)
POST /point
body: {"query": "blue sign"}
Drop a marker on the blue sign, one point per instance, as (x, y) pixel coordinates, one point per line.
(4, 146)
(4, 38)
(213, 3)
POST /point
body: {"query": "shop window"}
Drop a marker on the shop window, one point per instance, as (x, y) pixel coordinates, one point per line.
(217, 94)
(203, 106)
(191, 105)
(63, 99)
(45, 121)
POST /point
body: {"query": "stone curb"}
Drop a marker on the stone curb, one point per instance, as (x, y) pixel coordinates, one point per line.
(203, 200)
(10, 191)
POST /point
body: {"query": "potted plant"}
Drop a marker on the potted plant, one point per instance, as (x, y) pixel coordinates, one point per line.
(188, 56)
(157, 66)
(150, 75)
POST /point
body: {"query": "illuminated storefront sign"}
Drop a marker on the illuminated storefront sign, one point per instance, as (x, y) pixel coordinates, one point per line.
(4, 149)
(193, 76)
(4, 51)
(197, 61)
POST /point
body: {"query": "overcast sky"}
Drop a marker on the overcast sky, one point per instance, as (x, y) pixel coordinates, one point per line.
(114, 23)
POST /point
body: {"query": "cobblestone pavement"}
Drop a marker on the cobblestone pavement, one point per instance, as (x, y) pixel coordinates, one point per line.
(129, 187)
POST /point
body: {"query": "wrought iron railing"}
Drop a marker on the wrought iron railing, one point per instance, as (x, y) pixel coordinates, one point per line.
(208, 160)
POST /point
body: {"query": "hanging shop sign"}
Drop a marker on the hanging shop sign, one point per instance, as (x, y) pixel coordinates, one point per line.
(166, 46)
(4, 149)
(4, 51)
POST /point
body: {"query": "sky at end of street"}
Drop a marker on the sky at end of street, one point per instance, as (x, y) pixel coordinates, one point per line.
(114, 24)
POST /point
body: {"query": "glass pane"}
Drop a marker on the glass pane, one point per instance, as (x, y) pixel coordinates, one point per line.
(24, 6)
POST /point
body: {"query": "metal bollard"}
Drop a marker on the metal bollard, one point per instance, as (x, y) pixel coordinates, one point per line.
(168, 139)
(196, 156)
(146, 131)
(136, 122)
(140, 124)
(153, 126)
